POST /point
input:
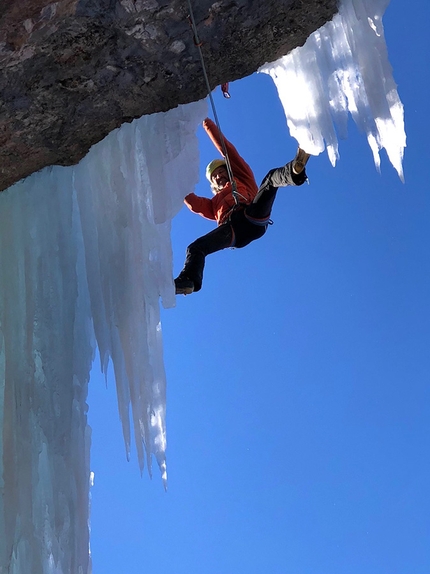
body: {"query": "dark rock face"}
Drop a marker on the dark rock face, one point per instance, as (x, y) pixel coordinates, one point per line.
(73, 70)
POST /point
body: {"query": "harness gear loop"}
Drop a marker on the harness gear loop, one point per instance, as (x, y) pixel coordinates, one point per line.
(198, 45)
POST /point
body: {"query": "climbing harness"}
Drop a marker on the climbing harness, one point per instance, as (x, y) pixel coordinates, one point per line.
(224, 89)
(261, 222)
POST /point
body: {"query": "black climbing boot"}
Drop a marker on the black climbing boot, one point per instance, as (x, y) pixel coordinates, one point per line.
(183, 285)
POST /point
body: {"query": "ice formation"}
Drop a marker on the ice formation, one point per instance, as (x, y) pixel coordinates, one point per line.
(85, 256)
(343, 67)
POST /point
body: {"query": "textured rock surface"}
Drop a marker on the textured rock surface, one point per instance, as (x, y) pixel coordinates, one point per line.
(73, 70)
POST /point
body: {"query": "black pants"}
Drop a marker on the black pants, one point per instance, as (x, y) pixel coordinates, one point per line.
(246, 223)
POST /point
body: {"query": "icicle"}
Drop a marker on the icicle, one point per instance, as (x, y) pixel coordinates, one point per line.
(85, 256)
(128, 191)
(343, 67)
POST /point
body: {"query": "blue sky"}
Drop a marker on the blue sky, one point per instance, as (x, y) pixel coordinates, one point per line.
(298, 398)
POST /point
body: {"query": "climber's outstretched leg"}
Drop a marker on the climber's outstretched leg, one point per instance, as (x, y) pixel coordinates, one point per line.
(293, 173)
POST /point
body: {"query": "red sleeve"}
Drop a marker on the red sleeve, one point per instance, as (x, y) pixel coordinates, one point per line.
(201, 205)
(241, 170)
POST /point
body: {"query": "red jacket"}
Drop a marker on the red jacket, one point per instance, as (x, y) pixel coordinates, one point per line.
(220, 205)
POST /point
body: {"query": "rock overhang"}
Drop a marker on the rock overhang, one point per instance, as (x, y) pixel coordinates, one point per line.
(74, 70)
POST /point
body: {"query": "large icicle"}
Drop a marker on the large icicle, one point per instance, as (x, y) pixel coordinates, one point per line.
(85, 254)
(137, 181)
(46, 356)
(343, 67)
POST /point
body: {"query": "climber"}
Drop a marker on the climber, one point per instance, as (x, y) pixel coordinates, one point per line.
(242, 210)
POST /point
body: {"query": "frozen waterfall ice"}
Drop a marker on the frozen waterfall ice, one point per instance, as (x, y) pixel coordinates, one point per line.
(128, 190)
(85, 256)
(343, 67)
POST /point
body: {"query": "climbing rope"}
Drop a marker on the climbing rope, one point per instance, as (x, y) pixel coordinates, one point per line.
(198, 45)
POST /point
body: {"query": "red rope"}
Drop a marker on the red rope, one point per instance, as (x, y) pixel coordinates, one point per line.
(224, 89)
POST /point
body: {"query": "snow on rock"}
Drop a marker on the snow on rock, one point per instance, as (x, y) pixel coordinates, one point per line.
(343, 67)
(85, 256)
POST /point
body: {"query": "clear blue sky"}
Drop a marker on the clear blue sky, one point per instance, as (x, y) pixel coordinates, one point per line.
(298, 397)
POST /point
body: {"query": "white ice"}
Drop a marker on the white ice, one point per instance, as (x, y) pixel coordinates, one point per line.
(343, 68)
(85, 256)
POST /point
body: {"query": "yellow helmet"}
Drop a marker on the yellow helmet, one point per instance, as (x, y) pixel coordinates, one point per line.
(212, 166)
